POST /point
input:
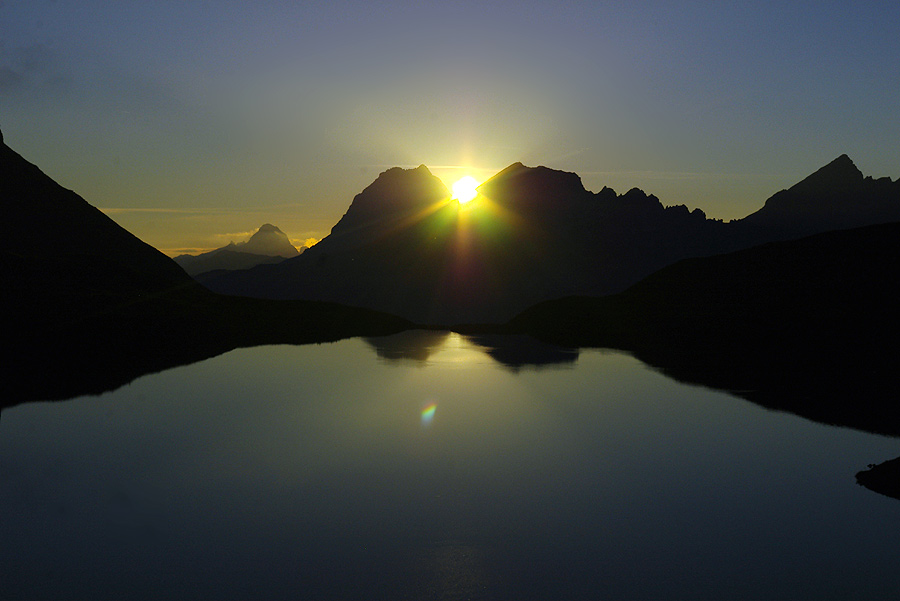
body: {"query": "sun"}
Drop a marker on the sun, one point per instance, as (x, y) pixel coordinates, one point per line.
(464, 189)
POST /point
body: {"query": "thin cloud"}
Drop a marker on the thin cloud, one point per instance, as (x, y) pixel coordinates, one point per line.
(238, 236)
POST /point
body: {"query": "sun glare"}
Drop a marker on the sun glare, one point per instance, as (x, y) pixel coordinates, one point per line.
(464, 189)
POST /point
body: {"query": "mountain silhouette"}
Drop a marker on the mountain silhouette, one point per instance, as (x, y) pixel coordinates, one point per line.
(405, 247)
(109, 307)
(837, 196)
(266, 246)
(533, 234)
(100, 261)
(270, 241)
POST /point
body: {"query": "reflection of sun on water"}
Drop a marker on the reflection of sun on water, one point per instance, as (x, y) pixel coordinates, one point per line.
(464, 189)
(458, 351)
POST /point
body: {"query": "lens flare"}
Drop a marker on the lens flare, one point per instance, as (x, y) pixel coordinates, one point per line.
(428, 414)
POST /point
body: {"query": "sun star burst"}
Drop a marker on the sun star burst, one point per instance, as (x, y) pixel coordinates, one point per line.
(465, 189)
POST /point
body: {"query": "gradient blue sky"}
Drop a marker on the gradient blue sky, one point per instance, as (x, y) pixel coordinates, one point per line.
(192, 123)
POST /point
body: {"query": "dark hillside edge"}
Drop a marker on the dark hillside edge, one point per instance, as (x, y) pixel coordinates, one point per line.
(87, 307)
(808, 326)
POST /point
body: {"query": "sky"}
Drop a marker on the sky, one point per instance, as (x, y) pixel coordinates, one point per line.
(191, 123)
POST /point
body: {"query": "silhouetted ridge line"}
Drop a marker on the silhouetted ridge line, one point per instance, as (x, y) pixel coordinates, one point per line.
(87, 307)
(534, 234)
(837, 196)
(395, 194)
(533, 186)
(267, 245)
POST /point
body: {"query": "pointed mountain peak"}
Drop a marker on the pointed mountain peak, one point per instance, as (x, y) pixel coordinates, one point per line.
(269, 241)
(509, 171)
(837, 176)
(843, 159)
(837, 196)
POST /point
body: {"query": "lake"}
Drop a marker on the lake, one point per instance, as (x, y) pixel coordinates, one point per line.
(420, 467)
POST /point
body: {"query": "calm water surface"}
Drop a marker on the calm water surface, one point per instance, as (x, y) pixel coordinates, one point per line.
(335, 472)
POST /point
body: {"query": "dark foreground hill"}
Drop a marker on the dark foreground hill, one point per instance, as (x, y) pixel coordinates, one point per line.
(809, 326)
(533, 234)
(86, 306)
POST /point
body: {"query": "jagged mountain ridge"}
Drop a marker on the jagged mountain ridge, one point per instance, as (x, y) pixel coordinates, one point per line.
(534, 234)
(268, 245)
(405, 247)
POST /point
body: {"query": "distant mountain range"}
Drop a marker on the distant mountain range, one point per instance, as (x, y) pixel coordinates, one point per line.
(534, 234)
(268, 245)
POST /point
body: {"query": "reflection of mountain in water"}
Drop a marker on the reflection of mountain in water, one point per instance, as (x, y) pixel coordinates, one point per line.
(511, 351)
(517, 352)
(808, 326)
(411, 345)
